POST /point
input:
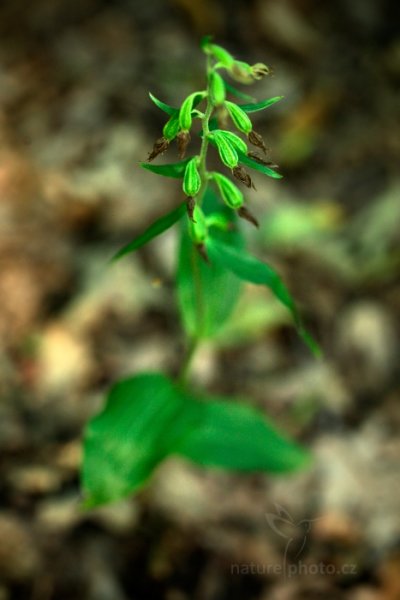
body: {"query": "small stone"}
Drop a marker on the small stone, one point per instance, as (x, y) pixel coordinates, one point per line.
(59, 514)
(35, 479)
(19, 558)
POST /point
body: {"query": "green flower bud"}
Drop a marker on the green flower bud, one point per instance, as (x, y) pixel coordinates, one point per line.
(183, 140)
(227, 152)
(234, 140)
(242, 72)
(171, 128)
(217, 88)
(185, 112)
(230, 194)
(191, 179)
(198, 229)
(239, 117)
(220, 54)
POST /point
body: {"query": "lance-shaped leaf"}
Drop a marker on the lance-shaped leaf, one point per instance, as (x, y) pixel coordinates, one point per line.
(158, 227)
(238, 93)
(248, 268)
(176, 170)
(235, 436)
(170, 110)
(257, 166)
(256, 106)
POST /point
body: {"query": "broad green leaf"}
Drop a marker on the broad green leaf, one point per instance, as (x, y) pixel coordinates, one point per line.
(143, 418)
(249, 268)
(170, 110)
(147, 418)
(158, 227)
(253, 164)
(237, 93)
(256, 106)
(236, 436)
(207, 292)
(176, 170)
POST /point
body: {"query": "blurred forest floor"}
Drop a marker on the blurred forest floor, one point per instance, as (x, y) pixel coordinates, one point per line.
(75, 119)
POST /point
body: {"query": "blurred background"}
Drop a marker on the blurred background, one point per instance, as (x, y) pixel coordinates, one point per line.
(75, 120)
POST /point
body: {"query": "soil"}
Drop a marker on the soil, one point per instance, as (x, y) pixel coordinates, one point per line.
(75, 120)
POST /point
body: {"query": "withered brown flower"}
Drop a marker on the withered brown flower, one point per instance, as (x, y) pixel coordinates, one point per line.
(183, 139)
(257, 140)
(244, 213)
(159, 147)
(190, 204)
(262, 161)
(242, 175)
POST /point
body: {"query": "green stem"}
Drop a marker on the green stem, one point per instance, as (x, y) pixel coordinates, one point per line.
(194, 342)
(187, 361)
(204, 145)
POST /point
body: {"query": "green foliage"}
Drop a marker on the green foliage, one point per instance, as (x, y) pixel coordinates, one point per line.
(153, 231)
(176, 170)
(143, 417)
(256, 106)
(207, 293)
(258, 166)
(170, 110)
(238, 93)
(149, 417)
(236, 436)
(250, 269)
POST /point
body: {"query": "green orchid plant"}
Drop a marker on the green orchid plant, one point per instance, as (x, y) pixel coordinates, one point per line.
(151, 416)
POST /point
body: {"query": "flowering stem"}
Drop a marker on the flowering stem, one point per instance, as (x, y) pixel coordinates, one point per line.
(199, 291)
(204, 144)
(187, 361)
